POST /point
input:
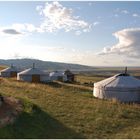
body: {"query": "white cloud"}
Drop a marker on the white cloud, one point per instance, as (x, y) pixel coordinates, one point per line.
(26, 27)
(125, 12)
(135, 15)
(128, 43)
(121, 11)
(57, 17)
(96, 23)
(39, 8)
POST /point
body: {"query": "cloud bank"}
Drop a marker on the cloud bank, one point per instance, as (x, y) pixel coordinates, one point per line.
(57, 17)
(128, 43)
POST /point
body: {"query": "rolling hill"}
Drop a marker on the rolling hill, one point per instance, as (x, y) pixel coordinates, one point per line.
(45, 65)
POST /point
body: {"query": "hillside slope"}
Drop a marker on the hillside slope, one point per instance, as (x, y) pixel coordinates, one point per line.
(58, 111)
(46, 65)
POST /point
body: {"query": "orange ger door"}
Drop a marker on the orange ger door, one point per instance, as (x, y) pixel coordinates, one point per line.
(13, 74)
(36, 78)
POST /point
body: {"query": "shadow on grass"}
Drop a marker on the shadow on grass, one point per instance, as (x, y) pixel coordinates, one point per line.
(37, 124)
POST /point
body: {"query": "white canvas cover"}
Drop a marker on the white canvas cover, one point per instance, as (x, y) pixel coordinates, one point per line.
(56, 74)
(27, 74)
(121, 87)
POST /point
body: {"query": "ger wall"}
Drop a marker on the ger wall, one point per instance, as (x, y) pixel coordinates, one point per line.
(124, 96)
(45, 78)
(28, 78)
(5, 74)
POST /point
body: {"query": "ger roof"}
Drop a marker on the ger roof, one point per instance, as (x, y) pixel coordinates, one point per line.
(32, 71)
(9, 69)
(119, 81)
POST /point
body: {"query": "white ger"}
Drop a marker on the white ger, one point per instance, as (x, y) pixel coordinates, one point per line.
(122, 87)
(33, 75)
(57, 75)
(9, 72)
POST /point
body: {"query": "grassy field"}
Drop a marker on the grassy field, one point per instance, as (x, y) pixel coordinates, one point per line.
(2, 67)
(62, 111)
(83, 79)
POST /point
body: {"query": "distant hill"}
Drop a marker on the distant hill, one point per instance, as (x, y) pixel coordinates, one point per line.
(45, 65)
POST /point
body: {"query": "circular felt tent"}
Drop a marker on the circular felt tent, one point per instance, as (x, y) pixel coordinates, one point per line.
(122, 87)
(33, 75)
(57, 75)
(9, 72)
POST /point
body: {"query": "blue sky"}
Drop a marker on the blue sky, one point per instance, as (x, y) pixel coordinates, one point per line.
(89, 33)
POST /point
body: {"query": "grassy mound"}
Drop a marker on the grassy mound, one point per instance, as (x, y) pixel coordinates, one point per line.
(60, 111)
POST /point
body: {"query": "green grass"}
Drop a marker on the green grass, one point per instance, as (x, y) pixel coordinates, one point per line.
(35, 123)
(60, 111)
(83, 78)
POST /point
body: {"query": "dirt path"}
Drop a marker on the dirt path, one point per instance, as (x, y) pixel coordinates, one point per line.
(74, 85)
(9, 110)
